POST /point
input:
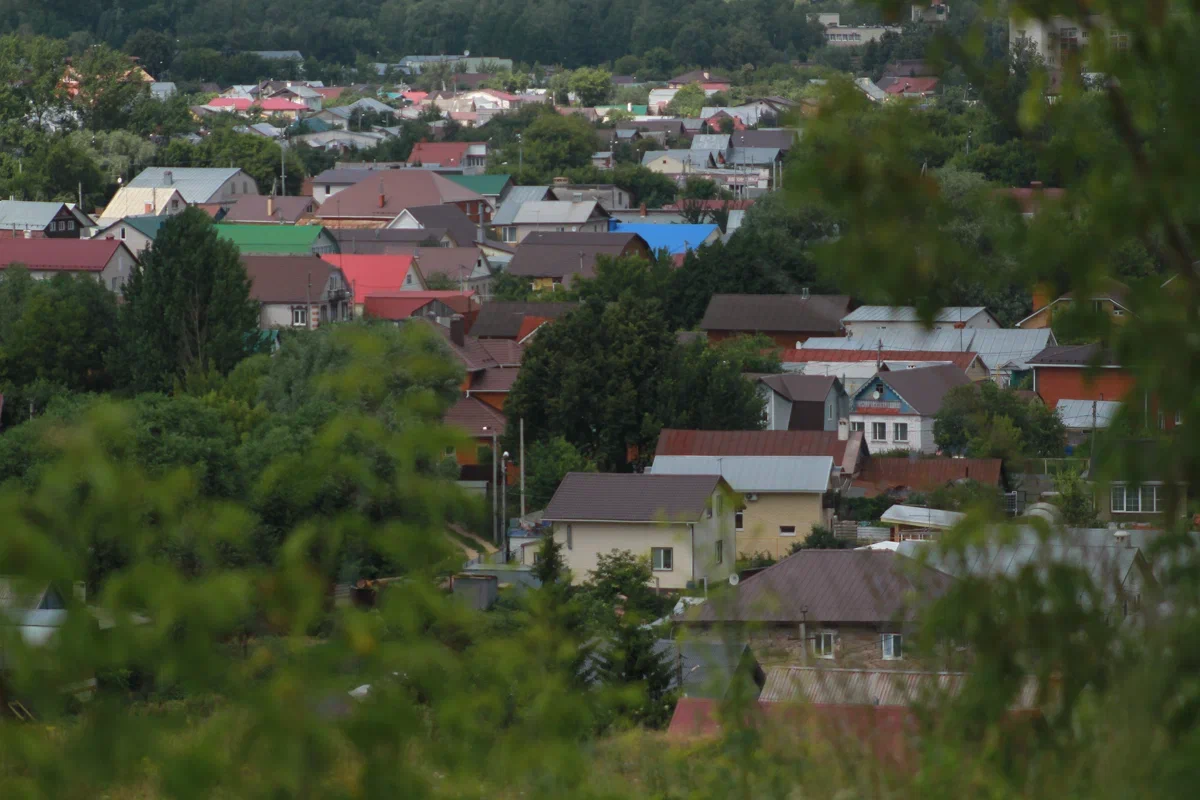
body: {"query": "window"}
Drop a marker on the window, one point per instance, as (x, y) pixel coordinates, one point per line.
(856, 426)
(114, 284)
(787, 530)
(720, 551)
(1118, 40)
(1118, 312)
(737, 521)
(829, 411)
(327, 190)
(1128, 500)
(823, 644)
(893, 646)
(1098, 306)
(122, 232)
(175, 205)
(879, 431)
(245, 187)
(900, 431)
(662, 558)
(570, 538)
(299, 316)
(510, 233)
(70, 224)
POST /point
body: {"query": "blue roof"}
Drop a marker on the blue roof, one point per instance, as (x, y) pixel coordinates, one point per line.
(675, 239)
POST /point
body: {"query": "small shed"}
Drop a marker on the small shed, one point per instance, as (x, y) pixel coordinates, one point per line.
(917, 522)
(478, 591)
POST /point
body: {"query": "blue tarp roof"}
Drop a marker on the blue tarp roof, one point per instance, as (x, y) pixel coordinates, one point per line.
(675, 238)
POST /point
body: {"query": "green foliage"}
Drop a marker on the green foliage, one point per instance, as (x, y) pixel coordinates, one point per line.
(687, 102)
(649, 188)
(751, 353)
(622, 581)
(548, 463)
(630, 662)
(550, 568)
(153, 49)
(107, 89)
(984, 421)
(821, 538)
(554, 143)
(187, 307)
(1075, 499)
(592, 86)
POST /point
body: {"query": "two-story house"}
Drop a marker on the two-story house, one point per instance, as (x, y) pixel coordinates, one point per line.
(682, 523)
(865, 322)
(23, 219)
(297, 291)
(795, 402)
(895, 410)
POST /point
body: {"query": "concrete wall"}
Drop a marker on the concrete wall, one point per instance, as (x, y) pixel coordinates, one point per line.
(762, 519)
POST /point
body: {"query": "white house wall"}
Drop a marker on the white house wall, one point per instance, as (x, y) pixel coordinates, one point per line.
(920, 432)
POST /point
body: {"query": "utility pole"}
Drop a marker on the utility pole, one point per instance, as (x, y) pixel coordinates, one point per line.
(504, 504)
(1092, 449)
(308, 302)
(283, 169)
(522, 453)
(495, 500)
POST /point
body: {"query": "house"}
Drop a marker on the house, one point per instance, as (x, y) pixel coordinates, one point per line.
(866, 321)
(297, 291)
(659, 99)
(856, 367)
(784, 318)
(491, 365)
(1079, 372)
(555, 216)
(1005, 353)
(931, 12)
(148, 202)
(494, 188)
(781, 139)
(383, 194)
(1082, 418)
(844, 608)
(839, 35)
(136, 233)
(280, 107)
(468, 156)
(162, 90)
(918, 522)
(783, 497)
(895, 410)
(899, 476)
(266, 239)
(480, 421)
(552, 259)
(516, 197)
(301, 94)
(908, 87)
(270, 208)
(24, 219)
(710, 82)
(460, 267)
(508, 320)
(677, 163)
(682, 523)
(108, 261)
(440, 307)
(1111, 300)
(872, 91)
(367, 275)
(847, 450)
(341, 141)
(448, 218)
(675, 239)
(196, 184)
(1029, 200)
(803, 402)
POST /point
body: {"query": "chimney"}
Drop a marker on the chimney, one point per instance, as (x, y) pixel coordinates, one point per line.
(149, 208)
(642, 210)
(270, 205)
(804, 293)
(1122, 537)
(843, 429)
(169, 178)
(561, 182)
(457, 333)
(577, 197)
(382, 199)
(1041, 297)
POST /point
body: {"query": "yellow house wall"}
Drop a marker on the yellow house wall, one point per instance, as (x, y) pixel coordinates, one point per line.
(762, 519)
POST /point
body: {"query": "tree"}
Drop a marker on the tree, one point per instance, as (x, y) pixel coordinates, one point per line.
(622, 581)
(1075, 499)
(555, 143)
(153, 49)
(821, 538)
(687, 102)
(632, 660)
(985, 421)
(549, 567)
(187, 307)
(648, 188)
(548, 463)
(108, 85)
(591, 86)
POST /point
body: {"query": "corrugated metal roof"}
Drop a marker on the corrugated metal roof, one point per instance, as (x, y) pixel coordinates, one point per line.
(196, 184)
(673, 442)
(555, 212)
(1102, 563)
(909, 314)
(27, 214)
(131, 201)
(70, 255)
(921, 517)
(753, 156)
(473, 415)
(272, 239)
(1008, 347)
(517, 197)
(777, 313)
(503, 320)
(927, 474)
(754, 473)
(1078, 414)
(830, 586)
(711, 141)
(591, 496)
(800, 388)
(870, 687)
(1076, 355)
(674, 238)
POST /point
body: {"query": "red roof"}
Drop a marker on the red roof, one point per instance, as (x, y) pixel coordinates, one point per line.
(239, 103)
(67, 255)
(912, 86)
(926, 474)
(672, 442)
(402, 305)
(793, 356)
(710, 205)
(280, 104)
(415, 97)
(329, 92)
(370, 274)
(529, 325)
(448, 154)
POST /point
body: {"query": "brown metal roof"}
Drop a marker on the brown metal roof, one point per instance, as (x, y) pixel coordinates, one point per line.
(1072, 355)
(450, 218)
(672, 442)
(253, 208)
(801, 388)
(927, 474)
(830, 586)
(502, 320)
(559, 255)
(477, 354)
(785, 313)
(925, 387)
(495, 379)
(285, 279)
(792, 356)
(384, 193)
(473, 415)
(383, 241)
(608, 497)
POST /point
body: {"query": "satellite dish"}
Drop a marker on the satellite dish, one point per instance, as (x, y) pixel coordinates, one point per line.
(734, 579)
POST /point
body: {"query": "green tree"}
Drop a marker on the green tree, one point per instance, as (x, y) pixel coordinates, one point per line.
(687, 102)
(108, 87)
(548, 463)
(591, 86)
(153, 49)
(821, 538)
(622, 581)
(549, 568)
(986, 421)
(187, 308)
(1075, 499)
(555, 143)
(641, 675)
(652, 189)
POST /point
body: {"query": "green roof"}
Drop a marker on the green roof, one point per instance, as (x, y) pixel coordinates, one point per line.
(147, 226)
(482, 184)
(267, 240)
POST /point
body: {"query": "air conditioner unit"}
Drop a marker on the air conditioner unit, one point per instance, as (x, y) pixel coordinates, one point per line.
(751, 498)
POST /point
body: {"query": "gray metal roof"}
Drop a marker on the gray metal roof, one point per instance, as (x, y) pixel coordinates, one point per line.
(997, 348)
(824, 686)
(555, 212)
(753, 156)
(196, 184)
(26, 214)
(697, 157)
(754, 473)
(279, 55)
(711, 141)
(1077, 414)
(922, 517)
(909, 314)
(516, 197)
(1104, 564)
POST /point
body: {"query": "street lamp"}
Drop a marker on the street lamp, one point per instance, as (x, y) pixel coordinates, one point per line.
(492, 432)
(504, 505)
